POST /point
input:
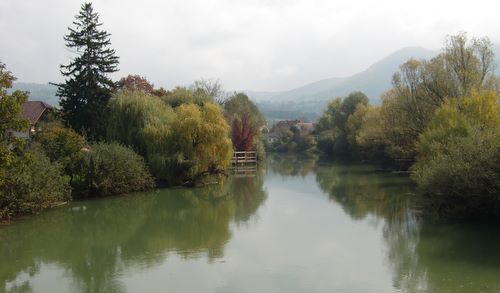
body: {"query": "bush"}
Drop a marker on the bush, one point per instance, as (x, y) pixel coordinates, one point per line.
(458, 165)
(33, 185)
(109, 169)
(62, 145)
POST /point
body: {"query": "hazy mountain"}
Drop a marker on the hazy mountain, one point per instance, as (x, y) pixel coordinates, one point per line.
(373, 81)
(38, 92)
(309, 101)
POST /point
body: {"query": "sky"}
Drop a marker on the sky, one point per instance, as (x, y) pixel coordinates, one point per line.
(262, 45)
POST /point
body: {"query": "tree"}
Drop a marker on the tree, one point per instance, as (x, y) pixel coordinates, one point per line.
(333, 125)
(420, 87)
(29, 182)
(62, 145)
(10, 121)
(212, 88)
(143, 122)
(183, 95)
(238, 105)
(243, 134)
(85, 93)
(179, 143)
(458, 162)
(135, 83)
(246, 120)
(201, 141)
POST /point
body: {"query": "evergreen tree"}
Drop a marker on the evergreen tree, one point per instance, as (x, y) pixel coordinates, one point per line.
(85, 93)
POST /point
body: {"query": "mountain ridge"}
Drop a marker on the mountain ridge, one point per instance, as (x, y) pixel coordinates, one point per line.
(309, 100)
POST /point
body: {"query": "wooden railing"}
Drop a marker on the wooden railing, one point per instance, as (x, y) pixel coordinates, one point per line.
(242, 158)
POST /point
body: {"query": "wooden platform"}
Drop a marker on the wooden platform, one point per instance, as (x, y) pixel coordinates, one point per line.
(244, 158)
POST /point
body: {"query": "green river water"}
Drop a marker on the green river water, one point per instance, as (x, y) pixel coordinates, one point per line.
(296, 226)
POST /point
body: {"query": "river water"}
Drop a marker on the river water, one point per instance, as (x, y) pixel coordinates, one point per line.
(295, 225)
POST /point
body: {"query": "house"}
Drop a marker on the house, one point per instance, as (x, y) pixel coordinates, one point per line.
(35, 112)
(305, 127)
(287, 123)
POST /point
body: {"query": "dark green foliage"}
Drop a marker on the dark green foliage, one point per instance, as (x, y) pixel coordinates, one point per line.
(291, 140)
(87, 89)
(333, 125)
(33, 185)
(109, 169)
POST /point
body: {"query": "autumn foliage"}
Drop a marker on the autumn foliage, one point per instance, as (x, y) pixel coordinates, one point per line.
(135, 83)
(243, 134)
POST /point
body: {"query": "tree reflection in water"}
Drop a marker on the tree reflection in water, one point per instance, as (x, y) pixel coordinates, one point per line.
(95, 241)
(426, 255)
(292, 164)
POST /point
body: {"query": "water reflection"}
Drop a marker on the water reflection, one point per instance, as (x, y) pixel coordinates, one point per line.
(95, 241)
(292, 164)
(425, 255)
(324, 227)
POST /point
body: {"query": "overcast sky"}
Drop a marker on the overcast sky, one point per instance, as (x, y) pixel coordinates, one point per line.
(264, 45)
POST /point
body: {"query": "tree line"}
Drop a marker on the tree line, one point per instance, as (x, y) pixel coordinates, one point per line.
(440, 121)
(116, 137)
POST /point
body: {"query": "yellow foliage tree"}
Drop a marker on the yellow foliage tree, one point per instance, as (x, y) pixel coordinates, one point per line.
(200, 136)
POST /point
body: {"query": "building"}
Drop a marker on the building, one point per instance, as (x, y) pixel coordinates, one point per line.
(305, 127)
(35, 112)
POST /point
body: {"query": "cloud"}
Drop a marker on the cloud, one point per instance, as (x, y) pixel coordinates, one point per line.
(247, 44)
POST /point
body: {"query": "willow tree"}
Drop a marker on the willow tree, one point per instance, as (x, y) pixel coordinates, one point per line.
(143, 121)
(85, 93)
(201, 140)
(179, 143)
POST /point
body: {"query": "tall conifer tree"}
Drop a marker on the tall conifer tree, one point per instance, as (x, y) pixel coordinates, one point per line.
(85, 93)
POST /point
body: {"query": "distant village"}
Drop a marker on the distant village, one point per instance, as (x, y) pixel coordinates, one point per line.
(290, 135)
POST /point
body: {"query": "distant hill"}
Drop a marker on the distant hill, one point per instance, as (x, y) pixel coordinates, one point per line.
(307, 101)
(38, 92)
(310, 100)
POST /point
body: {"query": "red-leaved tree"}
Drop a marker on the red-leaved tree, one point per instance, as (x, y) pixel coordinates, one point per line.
(135, 83)
(243, 134)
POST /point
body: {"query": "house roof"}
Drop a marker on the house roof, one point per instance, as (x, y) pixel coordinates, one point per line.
(33, 110)
(287, 123)
(306, 126)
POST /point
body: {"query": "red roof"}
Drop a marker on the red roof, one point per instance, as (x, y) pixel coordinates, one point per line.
(306, 126)
(33, 110)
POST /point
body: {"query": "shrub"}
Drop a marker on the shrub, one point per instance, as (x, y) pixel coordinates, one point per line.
(62, 145)
(109, 169)
(458, 164)
(33, 185)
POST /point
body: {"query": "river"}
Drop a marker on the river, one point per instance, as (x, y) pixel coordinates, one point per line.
(295, 225)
